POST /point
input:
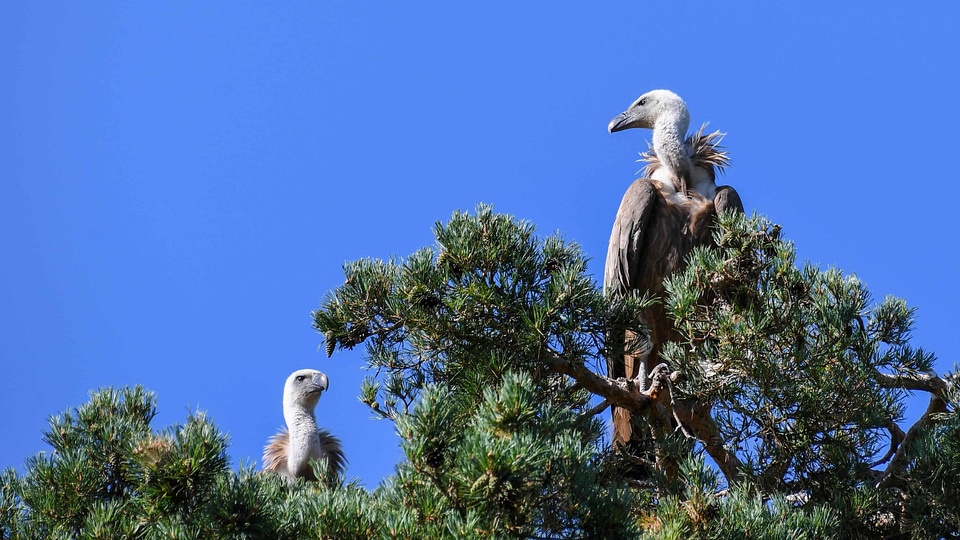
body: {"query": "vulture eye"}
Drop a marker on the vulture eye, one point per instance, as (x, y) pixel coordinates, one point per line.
(643, 102)
(300, 378)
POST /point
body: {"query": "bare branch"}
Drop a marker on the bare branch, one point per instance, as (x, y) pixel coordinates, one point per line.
(673, 407)
(927, 382)
(593, 411)
(624, 393)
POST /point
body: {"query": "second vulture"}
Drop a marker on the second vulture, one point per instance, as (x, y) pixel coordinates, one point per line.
(290, 451)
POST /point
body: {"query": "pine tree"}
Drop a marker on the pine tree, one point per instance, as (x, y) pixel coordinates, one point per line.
(489, 351)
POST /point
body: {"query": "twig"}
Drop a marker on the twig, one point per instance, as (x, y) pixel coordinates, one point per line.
(593, 411)
(673, 406)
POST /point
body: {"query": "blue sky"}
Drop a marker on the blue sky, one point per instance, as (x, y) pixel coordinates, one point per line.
(182, 181)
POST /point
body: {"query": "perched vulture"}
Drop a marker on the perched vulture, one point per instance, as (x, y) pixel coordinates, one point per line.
(662, 217)
(290, 451)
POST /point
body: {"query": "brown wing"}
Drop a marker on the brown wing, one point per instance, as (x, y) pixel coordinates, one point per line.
(275, 453)
(727, 198)
(622, 274)
(626, 239)
(652, 238)
(331, 449)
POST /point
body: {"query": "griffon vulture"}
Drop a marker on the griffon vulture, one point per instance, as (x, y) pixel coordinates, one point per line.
(290, 451)
(662, 216)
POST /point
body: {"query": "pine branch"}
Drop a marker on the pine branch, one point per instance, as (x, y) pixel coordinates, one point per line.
(896, 438)
(624, 392)
(627, 394)
(927, 382)
(593, 411)
(900, 443)
(900, 458)
(706, 431)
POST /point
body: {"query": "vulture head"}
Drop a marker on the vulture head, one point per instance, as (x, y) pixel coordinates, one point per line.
(677, 161)
(303, 389)
(290, 451)
(654, 110)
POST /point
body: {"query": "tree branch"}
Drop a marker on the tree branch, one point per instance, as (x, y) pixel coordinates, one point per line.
(927, 382)
(627, 393)
(896, 438)
(624, 392)
(705, 430)
(899, 461)
(593, 411)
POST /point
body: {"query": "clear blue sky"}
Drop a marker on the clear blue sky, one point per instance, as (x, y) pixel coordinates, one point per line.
(182, 181)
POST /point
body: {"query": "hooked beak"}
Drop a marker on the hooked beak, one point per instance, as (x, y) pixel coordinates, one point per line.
(320, 382)
(622, 121)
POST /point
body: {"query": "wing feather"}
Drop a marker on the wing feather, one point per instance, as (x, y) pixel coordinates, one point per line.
(275, 452)
(331, 449)
(626, 239)
(622, 274)
(727, 198)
